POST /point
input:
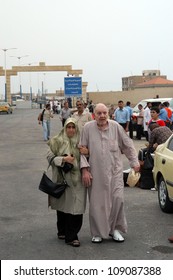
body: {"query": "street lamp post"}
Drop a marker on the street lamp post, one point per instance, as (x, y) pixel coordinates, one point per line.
(44, 81)
(5, 51)
(20, 85)
(30, 81)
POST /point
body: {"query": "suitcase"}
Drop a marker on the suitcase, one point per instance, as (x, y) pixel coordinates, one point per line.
(141, 154)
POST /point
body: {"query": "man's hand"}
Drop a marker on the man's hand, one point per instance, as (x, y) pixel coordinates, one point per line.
(136, 168)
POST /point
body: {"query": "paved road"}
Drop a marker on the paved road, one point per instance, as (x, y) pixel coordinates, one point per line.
(27, 227)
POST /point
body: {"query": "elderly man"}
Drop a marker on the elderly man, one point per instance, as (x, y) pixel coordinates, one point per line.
(103, 174)
(81, 116)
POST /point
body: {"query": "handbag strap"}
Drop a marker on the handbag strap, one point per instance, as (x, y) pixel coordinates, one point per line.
(50, 162)
(62, 173)
(60, 169)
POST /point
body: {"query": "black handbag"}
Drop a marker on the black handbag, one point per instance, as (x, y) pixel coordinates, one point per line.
(54, 189)
(148, 161)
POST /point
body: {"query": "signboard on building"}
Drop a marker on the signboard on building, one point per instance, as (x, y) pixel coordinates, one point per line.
(73, 86)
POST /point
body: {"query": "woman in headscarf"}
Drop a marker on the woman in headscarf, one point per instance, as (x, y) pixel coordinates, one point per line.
(71, 205)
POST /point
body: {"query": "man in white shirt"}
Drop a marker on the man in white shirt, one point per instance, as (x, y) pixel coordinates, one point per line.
(86, 109)
(140, 120)
(147, 118)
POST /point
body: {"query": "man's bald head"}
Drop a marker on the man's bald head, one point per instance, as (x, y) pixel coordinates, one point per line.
(101, 115)
(100, 106)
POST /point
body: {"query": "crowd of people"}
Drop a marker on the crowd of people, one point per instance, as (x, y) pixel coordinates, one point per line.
(123, 114)
(93, 139)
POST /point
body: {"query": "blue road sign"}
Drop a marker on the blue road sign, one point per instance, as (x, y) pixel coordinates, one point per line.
(73, 86)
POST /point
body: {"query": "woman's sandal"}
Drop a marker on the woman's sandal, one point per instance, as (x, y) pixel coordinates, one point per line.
(74, 243)
(61, 237)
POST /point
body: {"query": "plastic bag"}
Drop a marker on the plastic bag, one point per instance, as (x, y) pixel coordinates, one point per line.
(133, 178)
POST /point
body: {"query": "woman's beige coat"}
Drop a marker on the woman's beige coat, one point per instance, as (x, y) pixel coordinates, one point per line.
(73, 201)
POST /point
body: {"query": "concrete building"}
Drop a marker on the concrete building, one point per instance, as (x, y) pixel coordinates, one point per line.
(153, 88)
(129, 83)
(158, 82)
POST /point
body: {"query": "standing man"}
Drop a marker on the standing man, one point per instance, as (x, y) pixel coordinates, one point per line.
(103, 174)
(86, 110)
(169, 113)
(140, 121)
(46, 120)
(81, 116)
(147, 118)
(163, 113)
(121, 115)
(111, 112)
(129, 109)
(91, 107)
(65, 113)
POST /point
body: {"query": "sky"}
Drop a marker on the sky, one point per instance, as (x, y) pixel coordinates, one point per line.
(107, 39)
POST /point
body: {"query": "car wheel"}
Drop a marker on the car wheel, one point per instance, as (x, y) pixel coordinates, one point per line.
(165, 204)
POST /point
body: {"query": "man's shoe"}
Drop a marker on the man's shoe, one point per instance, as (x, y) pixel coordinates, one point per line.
(170, 239)
(96, 239)
(117, 236)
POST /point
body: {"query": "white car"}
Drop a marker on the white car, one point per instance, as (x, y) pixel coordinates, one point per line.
(154, 101)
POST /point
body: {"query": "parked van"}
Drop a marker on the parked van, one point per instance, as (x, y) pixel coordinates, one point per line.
(154, 102)
(16, 98)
